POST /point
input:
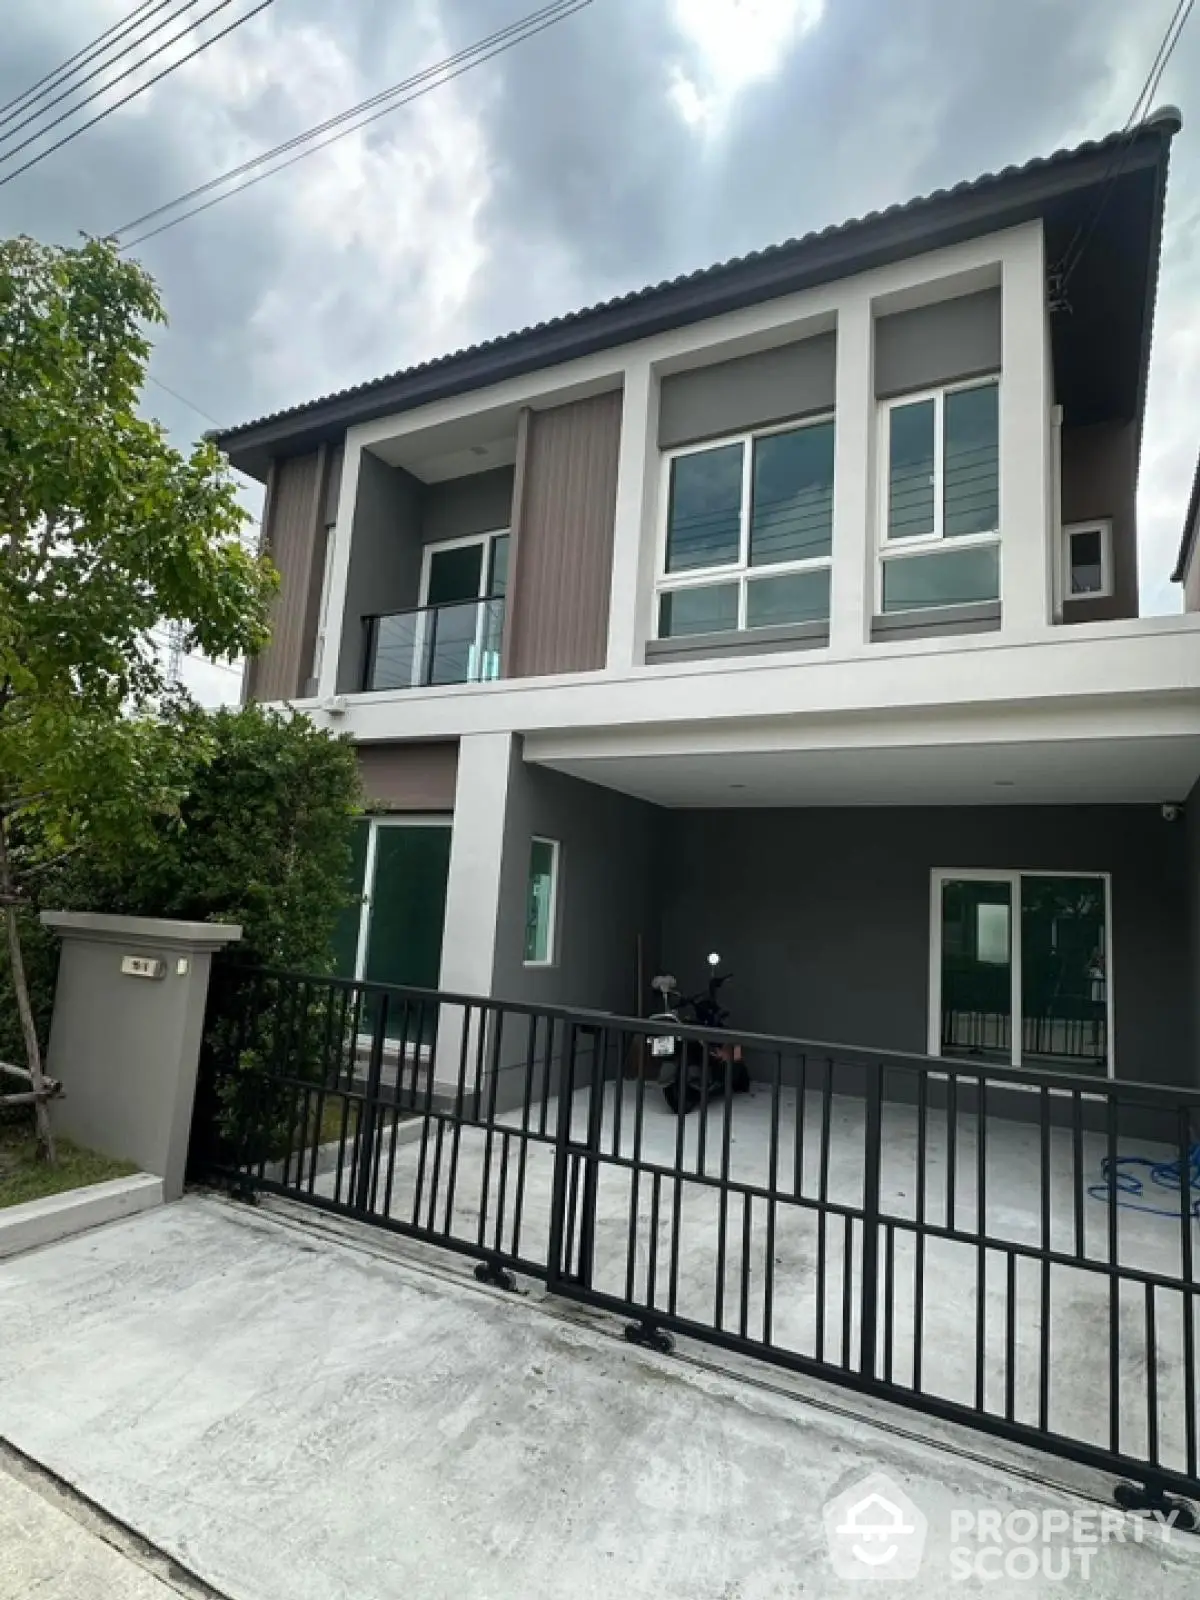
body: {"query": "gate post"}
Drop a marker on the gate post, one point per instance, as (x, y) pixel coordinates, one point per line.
(868, 1322)
(126, 1031)
(559, 1241)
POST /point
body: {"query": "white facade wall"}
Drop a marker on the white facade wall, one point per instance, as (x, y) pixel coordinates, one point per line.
(1013, 258)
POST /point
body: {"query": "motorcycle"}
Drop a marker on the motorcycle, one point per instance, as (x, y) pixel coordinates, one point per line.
(691, 1070)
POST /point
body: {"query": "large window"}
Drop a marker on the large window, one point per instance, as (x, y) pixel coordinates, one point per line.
(1020, 968)
(748, 533)
(940, 492)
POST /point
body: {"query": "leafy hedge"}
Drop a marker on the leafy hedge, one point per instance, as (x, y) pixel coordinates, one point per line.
(262, 838)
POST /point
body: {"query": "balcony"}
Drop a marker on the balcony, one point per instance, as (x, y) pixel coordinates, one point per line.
(428, 645)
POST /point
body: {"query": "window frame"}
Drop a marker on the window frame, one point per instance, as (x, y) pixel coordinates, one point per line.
(938, 876)
(551, 957)
(738, 572)
(436, 546)
(921, 544)
(1102, 526)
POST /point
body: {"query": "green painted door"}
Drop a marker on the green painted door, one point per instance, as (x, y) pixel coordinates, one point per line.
(395, 920)
(406, 914)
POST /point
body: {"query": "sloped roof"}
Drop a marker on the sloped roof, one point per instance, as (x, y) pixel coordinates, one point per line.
(1191, 531)
(996, 199)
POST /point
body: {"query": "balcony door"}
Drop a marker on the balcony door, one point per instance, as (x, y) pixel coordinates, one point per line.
(1020, 969)
(463, 583)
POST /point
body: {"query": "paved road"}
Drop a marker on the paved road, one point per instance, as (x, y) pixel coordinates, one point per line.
(294, 1418)
(48, 1551)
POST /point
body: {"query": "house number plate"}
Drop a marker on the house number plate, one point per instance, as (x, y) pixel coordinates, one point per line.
(143, 967)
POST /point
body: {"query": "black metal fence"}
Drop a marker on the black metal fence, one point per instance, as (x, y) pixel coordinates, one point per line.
(1006, 1248)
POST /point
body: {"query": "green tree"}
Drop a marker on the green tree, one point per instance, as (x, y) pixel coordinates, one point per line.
(106, 532)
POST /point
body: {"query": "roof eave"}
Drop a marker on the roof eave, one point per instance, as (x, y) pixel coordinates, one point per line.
(991, 204)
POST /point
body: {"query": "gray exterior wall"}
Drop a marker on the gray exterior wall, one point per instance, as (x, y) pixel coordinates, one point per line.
(409, 777)
(607, 897)
(792, 380)
(823, 916)
(463, 507)
(1191, 850)
(607, 892)
(385, 558)
(942, 343)
(1099, 479)
(560, 566)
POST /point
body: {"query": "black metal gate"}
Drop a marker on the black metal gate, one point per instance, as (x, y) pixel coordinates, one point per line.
(1009, 1249)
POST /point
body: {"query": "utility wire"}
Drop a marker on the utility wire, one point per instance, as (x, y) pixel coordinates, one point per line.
(208, 417)
(80, 58)
(432, 78)
(39, 111)
(342, 117)
(1084, 232)
(149, 84)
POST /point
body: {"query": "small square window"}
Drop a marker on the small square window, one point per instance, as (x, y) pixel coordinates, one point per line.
(541, 903)
(1087, 561)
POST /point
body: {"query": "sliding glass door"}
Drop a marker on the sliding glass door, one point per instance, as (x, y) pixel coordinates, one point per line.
(1020, 969)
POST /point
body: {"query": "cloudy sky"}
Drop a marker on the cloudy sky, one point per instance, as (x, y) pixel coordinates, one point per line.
(636, 140)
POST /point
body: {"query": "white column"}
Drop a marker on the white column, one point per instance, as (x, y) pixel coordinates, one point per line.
(1025, 471)
(852, 596)
(633, 543)
(472, 890)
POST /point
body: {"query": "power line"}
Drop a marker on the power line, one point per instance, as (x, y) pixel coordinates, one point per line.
(86, 53)
(208, 417)
(433, 77)
(37, 110)
(1082, 237)
(149, 84)
(342, 117)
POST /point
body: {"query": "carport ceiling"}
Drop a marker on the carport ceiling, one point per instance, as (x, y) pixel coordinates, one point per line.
(1083, 772)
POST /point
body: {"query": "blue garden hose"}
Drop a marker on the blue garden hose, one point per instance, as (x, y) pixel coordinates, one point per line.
(1119, 1178)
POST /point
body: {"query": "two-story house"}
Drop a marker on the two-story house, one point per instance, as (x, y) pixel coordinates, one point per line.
(788, 610)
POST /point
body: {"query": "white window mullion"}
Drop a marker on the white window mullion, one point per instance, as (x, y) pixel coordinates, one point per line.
(939, 464)
(747, 497)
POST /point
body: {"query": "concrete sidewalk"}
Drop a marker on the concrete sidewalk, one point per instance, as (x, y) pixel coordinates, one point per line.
(294, 1418)
(57, 1551)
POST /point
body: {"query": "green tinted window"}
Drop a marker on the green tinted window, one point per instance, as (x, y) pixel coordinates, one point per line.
(971, 465)
(539, 913)
(944, 578)
(793, 597)
(713, 609)
(911, 469)
(791, 517)
(704, 522)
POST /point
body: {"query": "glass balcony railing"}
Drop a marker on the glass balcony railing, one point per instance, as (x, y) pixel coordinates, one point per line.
(457, 643)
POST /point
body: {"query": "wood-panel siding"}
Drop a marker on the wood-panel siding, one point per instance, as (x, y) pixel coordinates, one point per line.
(563, 523)
(409, 777)
(293, 536)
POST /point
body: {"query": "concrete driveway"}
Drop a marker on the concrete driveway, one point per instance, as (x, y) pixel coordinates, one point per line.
(290, 1415)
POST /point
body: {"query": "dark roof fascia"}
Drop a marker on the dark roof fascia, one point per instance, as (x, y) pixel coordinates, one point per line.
(1191, 530)
(987, 205)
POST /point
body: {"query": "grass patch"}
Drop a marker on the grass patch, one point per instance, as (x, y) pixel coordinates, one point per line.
(23, 1177)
